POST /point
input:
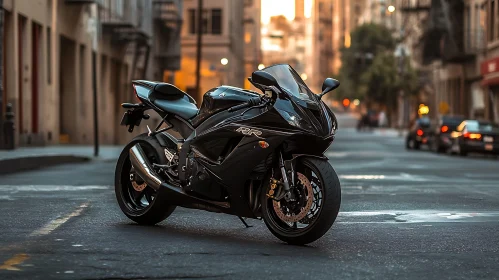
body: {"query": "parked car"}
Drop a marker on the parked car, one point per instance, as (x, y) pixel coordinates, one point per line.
(473, 136)
(368, 120)
(440, 140)
(418, 134)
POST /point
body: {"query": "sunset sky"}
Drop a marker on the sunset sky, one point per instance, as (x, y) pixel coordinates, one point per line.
(281, 7)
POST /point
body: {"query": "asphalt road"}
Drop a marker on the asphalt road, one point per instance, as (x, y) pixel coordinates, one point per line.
(404, 215)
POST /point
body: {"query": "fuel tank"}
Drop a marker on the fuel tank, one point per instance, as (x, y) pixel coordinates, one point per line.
(219, 99)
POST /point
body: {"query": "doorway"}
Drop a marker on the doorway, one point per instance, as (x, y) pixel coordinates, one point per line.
(67, 91)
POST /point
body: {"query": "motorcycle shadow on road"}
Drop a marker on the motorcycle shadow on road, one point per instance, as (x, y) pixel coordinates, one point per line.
(256, 238)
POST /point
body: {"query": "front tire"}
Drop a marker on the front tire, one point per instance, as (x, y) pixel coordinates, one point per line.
(325, 180)
(151, 207)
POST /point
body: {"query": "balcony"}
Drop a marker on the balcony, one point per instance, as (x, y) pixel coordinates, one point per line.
(98, 2)
(123, 20)
(472, 42)
(414, 6)
(167, 15)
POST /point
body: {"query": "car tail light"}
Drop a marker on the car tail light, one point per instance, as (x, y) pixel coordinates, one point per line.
(444, 129)
(420, 132)
(476, 136)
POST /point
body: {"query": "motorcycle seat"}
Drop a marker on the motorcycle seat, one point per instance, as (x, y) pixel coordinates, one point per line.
(181, 107)
(171, 99)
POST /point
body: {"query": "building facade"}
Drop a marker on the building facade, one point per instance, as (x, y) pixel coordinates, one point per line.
(223, 43)
(489, 65)
(252, 39)
(458, 50)
(49, 49)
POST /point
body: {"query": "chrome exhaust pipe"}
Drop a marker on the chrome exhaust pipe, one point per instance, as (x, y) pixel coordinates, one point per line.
(143, 167)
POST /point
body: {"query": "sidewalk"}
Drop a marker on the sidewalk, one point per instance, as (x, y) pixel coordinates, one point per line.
(33, 158)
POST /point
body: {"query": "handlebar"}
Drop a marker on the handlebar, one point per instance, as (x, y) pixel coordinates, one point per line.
(252, 102)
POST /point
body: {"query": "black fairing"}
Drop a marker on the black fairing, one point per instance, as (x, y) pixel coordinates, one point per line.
(220, 99)
(221, 153)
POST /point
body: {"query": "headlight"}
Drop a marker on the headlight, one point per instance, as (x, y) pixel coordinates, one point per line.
(291, 118)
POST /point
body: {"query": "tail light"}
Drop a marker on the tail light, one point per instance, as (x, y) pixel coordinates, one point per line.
(444, 129)
(420, 132)
(474, 136)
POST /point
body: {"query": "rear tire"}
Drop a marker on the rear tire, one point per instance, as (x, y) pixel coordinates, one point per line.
(330, 206)
(158, 209)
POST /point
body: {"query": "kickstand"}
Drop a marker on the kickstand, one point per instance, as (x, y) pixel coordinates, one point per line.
(244, 222)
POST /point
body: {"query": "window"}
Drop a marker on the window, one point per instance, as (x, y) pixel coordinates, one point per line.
(211, 21)
(192, 21)
(357, 9)
(216, 21)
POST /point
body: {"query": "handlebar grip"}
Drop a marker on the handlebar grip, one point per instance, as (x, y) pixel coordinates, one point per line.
(249, 103)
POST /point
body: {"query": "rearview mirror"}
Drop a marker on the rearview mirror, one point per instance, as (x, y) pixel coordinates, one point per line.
(329, 85)
(263, 78)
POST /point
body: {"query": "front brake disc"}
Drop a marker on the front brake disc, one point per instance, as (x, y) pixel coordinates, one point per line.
(292, 218)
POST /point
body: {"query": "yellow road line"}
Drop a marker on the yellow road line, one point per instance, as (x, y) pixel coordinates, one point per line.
(11, 263)
(54, 224)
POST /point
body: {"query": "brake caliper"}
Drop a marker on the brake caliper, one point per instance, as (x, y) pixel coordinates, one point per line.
(273, 186)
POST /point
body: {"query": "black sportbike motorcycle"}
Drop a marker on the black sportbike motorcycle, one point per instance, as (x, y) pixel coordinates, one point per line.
(242, 153)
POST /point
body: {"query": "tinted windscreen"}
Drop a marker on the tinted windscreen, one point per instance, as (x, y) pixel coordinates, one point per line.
(290, 81)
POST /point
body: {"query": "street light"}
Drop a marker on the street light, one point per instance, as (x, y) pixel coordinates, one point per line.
(304, 76)
(224, 61)
(391, 8)
(261, 66)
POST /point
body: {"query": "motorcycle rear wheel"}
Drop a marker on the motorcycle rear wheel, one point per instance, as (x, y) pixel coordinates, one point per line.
(327, 200)
(147, 207)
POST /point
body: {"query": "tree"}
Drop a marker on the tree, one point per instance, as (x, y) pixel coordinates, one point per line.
(370, 70)
(367, 41)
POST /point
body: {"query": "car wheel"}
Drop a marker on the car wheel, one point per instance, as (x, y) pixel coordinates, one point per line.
(462, 152)
(409, 144)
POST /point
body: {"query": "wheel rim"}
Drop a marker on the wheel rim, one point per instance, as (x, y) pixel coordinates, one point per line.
(135, 199)
(309, 220)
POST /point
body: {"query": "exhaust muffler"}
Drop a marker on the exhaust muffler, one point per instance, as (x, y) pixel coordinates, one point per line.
(143, 167)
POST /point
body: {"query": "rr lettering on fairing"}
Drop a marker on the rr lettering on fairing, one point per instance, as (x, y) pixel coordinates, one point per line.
(249, 131)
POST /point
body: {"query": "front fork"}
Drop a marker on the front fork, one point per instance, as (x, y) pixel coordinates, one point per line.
(288, 195)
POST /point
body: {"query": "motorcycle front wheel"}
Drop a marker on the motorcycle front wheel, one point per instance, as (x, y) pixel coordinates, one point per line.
(311, 216)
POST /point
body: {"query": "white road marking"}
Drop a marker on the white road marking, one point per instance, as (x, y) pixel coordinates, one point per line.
(49, 188)
(54, 224)
(401, 177)
(415, 216)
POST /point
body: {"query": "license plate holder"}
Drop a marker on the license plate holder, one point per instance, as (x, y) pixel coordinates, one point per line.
(125, 120)
(488, 139)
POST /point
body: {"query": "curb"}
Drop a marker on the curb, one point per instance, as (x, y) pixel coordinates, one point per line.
(13, 165)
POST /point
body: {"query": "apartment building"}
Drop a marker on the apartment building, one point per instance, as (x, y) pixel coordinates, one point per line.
(488, 19)
(223, 56)
(49, 46)
(252, 39)
(456, 42)
(319, 51)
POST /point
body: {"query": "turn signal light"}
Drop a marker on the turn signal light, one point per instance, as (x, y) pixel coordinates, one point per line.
(263, 144)
(419, 132)
(444, 128)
